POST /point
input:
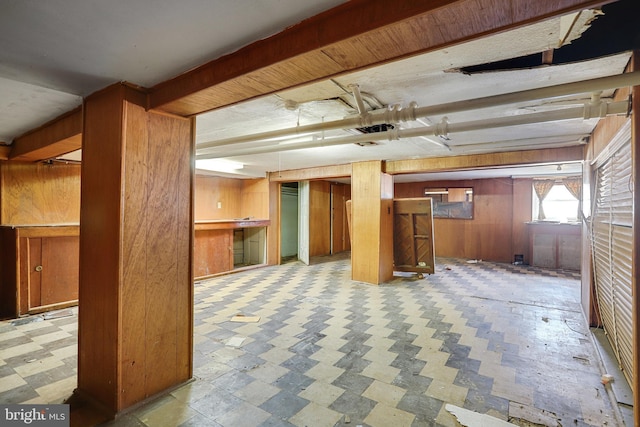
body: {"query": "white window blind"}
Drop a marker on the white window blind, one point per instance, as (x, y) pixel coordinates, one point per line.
(612, 243)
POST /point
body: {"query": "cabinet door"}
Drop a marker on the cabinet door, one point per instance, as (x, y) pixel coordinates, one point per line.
(60, 269)
(212, 252)
(53, 270)
(34, 250)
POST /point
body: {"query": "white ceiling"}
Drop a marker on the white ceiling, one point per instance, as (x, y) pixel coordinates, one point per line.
(55, 52)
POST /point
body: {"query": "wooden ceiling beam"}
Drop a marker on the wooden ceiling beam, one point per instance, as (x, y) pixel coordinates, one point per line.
(60, 136)
(4, 151)
(441, 164)
(355, 35)
(485, 161)
(319, 172)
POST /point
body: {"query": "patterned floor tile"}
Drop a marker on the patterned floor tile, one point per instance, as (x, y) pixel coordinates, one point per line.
(315, 415)
(488, 337)
(384, 416)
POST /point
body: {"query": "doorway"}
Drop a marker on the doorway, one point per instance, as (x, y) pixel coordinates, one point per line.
(288, 222)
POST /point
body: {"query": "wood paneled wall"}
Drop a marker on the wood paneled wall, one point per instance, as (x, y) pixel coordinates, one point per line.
(497, 230)
(371, 223)
(135, 332)
(522, 212)
(341, 240)
(607, 127)
(9, 268)
(238, 198)
(211, 190)
(39, 194)
(255, 198)
(273, 232)
(319, 218)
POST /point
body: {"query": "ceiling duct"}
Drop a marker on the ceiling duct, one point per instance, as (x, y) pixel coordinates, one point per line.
(383, 127)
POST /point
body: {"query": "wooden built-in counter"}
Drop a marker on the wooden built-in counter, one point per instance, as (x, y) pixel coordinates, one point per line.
(555, 245)
(226, 224)
(221, 246)
(40, 264)
(39, 268)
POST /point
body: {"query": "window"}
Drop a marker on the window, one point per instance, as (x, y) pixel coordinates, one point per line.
(452, 202)
(559, 205)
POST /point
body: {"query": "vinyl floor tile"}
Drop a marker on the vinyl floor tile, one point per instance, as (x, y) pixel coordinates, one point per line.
(485, 336)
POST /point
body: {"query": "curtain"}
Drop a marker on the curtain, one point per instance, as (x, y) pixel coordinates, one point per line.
(542, 188)
(574, 185)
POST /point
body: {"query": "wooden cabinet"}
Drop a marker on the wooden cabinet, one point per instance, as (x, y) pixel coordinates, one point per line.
(413, 247)
(212, 252)
(40, 268)
(555, 246)
(221, 246)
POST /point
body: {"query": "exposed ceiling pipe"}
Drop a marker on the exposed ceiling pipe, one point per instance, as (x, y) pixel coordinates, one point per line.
(355, 89)
(560, 141)
(411, 113)
(442, 129)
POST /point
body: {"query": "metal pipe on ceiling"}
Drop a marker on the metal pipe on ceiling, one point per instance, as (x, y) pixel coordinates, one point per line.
(588, 111)
(355, 89)
(412, 112)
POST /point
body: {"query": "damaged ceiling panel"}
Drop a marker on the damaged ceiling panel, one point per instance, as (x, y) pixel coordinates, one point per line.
(585, 36)
(431, 79)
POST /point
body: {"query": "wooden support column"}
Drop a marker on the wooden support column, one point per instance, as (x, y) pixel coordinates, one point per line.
(635, 266)
(136, 234)
(372, 223)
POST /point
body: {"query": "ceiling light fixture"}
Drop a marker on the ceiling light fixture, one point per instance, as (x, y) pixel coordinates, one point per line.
(219, 165)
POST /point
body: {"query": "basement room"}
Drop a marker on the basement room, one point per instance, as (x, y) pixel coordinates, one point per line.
(328, 213)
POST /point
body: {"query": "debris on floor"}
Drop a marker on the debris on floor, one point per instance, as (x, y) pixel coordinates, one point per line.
(582, 359)
(529, 416)
(606, 379)
(474, 419)
(58, 314)
(26, 320)
(235, 341)
(474, 261)
(245, 319)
